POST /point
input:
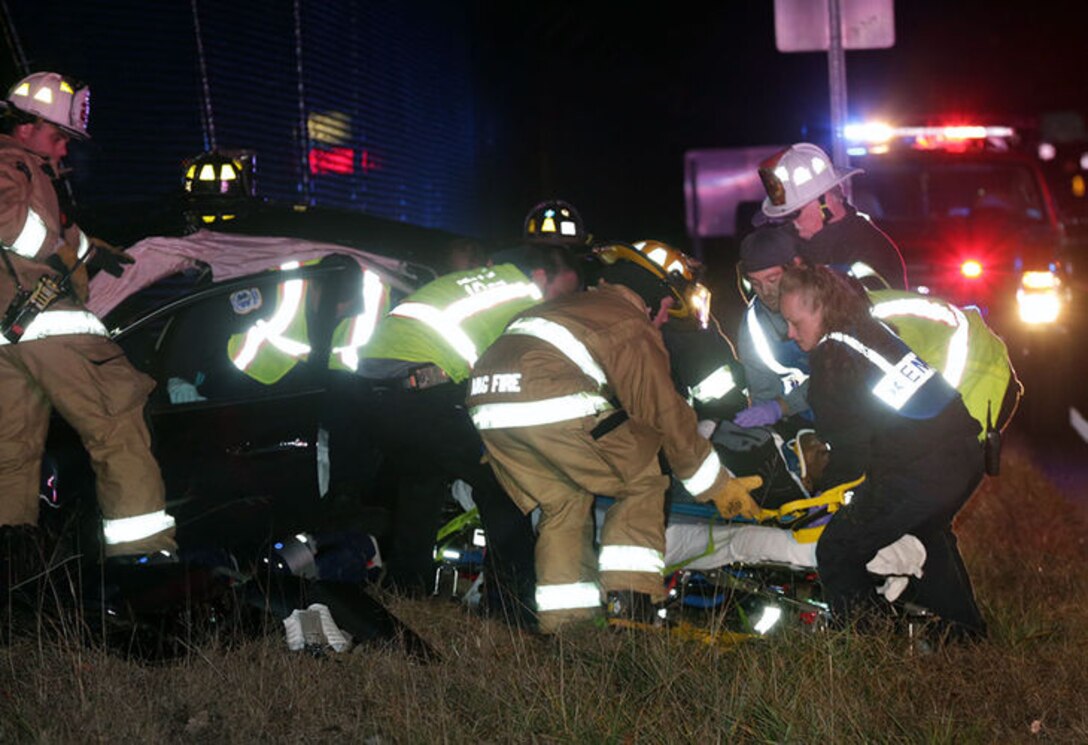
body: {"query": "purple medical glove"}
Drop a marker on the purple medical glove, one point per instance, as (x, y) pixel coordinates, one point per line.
(760, 415)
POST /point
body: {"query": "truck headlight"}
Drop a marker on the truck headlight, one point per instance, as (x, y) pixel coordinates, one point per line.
(1039, 297)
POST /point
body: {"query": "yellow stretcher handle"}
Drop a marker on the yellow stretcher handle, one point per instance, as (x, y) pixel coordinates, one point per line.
(832, 498)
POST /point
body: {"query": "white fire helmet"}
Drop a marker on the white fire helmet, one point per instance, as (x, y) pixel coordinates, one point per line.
(797, 175)
(56, 99)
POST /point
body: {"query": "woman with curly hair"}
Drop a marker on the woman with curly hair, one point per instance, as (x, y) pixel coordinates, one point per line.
(888, 415)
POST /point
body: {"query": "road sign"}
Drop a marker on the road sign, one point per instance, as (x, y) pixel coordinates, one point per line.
(801, 25)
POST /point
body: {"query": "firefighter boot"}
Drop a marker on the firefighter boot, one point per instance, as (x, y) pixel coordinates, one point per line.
(630, 609)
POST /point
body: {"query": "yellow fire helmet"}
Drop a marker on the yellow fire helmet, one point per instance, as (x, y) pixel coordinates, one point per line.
(676, 270)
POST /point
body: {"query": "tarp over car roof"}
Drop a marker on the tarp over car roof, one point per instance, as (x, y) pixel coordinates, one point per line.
(228, 256)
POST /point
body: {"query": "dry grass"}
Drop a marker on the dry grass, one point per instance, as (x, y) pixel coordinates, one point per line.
(1023, 543)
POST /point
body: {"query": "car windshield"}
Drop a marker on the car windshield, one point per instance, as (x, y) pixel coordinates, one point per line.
(940, 191)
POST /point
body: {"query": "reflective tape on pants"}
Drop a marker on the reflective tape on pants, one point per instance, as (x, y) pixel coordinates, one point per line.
(567, 596)
(630, 559)
(127, 529)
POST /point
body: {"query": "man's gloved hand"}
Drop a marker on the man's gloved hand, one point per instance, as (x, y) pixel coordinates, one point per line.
(109, 258)
(735, 500)
(759, 415)
(64, 259)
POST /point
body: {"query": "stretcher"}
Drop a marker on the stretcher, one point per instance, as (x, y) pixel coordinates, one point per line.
(748, 576)
(726, 579)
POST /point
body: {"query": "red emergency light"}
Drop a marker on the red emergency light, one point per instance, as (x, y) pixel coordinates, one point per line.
(339, 160)
(971, 269)
(950, 137)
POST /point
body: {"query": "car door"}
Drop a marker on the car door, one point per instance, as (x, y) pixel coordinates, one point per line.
(241, 453)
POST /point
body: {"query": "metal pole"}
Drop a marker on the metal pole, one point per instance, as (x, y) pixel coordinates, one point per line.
(303, 129)
(836, 71)
(206, 112)
(693, 216)
(14, 43)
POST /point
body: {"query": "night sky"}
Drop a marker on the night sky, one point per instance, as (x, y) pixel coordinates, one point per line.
(597, 102)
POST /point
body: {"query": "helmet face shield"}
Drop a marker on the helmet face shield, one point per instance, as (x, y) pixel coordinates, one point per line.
(698, 301)
(776, 191)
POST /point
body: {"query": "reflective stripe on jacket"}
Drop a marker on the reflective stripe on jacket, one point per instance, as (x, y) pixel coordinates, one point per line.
(970, 356)
(906, 383)
(452, 320)
(713, 386)
(573, 357)
(352, 334)
(783, 358)
(271, 347)
(61, 323)
(32, 231)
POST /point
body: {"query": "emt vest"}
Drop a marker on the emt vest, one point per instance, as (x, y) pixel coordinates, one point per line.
(355, 332)
(957, 342)
(781, 356)
(902, 381)
(452, 320)
(271, 347)
(869, 278)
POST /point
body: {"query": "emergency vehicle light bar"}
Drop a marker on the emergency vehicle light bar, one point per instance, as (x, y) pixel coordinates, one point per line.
(879, 132)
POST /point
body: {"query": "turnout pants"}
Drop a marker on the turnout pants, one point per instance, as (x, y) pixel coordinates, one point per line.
(92, 385)
(429, 439)
(559, 468)
(921, 500)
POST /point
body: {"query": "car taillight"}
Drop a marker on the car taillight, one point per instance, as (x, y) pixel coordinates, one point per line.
(972, 269)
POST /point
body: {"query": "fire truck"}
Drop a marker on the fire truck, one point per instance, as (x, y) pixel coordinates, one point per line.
(970, 211)
(973, 216)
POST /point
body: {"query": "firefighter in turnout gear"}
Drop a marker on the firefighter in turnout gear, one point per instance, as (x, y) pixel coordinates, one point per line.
(53, 351)
(575, 399)
(891, 417)
(418, 361)
(804, 190)
(702, 359)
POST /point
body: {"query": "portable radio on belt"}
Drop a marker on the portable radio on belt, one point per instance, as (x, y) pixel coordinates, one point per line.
(27, 304)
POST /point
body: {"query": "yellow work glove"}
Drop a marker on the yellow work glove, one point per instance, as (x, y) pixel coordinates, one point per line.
(735, 500)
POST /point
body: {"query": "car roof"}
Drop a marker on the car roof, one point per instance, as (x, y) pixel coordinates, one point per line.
(227, 256)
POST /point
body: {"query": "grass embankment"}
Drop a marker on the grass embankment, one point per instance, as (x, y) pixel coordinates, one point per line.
(1023, 543)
